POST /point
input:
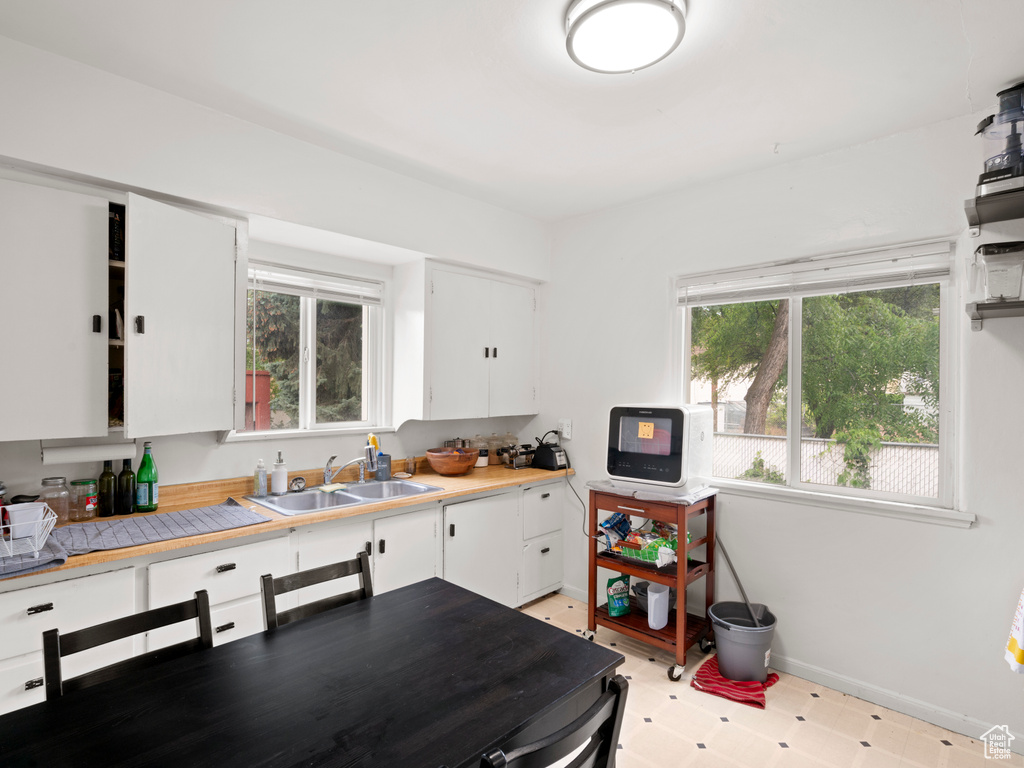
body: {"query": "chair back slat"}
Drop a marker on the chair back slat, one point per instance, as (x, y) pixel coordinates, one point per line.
(271, 588)
(57, 646)
(596, 730)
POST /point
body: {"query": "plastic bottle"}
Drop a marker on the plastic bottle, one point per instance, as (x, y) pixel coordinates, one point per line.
(125, 489)
(147, 489)
(279, 478)
(259, 480)
(107, 490)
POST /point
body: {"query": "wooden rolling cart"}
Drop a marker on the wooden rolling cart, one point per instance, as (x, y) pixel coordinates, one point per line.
(683, 629)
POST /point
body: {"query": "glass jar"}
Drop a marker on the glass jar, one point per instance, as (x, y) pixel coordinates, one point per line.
(84, 494)
(57, 496)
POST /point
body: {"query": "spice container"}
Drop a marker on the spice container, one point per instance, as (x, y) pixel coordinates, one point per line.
(84, 495)
(57, 496)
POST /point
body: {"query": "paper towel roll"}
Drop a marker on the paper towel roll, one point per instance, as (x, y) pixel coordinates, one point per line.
(76, 454)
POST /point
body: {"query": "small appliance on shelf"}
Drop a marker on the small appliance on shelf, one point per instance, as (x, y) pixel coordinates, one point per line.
(1001, 132)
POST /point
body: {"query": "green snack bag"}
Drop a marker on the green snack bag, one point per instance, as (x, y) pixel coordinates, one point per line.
(618, 595)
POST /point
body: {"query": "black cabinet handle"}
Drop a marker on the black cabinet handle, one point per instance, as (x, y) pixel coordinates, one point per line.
(140, 324)
(226, 567)
(40, 608)
(36, 683)
(225, 627)
(451, 530)
(369, 548)
(545, 550)
(380, 546)
(487, 351)
(545, 495)
(97, 324)
(495, 354)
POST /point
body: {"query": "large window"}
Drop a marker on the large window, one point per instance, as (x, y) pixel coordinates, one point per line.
(313, 351)
(828, 374)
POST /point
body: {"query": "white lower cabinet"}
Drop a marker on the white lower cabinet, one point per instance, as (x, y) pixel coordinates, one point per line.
(65, 605)
(506, 547)
(404, 548)
(230, 576)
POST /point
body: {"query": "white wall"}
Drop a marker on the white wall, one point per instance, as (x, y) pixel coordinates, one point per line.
(912, 615)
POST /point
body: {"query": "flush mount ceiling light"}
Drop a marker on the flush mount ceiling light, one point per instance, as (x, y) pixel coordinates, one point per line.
(615, 36)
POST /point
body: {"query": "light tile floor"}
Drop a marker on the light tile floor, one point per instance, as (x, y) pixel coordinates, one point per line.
(669, 724)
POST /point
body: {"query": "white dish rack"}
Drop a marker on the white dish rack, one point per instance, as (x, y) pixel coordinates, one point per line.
(29, 527)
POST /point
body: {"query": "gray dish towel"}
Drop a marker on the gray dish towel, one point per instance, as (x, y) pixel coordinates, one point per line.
(51, 554)
(148, 528)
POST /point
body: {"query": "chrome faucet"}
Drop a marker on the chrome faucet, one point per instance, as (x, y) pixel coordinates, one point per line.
(368, 461)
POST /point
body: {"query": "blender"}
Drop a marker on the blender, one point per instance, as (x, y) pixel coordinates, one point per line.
(1004, 164)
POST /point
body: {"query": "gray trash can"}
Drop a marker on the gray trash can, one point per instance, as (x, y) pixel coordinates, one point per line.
(743, 649)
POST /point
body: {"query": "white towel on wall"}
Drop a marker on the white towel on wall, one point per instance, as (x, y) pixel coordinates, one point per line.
(1015, 645)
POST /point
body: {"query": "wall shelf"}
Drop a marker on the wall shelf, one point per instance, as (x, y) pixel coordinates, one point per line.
(989, 310)
(1000, 207)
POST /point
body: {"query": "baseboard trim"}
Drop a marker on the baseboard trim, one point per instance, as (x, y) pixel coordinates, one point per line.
(929, 713)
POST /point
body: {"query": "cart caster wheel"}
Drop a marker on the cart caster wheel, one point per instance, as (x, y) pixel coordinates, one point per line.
(675, 673)
(590, 635)
(706, 645)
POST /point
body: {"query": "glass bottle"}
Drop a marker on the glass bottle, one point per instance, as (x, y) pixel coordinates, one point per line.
(57, 496)
(147, 490)
(107, 487)
(83, 500)
(126, 489)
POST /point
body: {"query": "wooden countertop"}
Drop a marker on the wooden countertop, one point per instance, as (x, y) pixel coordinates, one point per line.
(189, 495)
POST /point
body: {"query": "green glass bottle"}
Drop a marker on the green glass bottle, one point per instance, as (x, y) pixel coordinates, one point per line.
(147, 492)
(125, 489)
(107, 490)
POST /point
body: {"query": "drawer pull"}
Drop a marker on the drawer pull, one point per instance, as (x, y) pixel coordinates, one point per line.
(226, 627)
(545, 550)
(545, 495)
(634, 509)
(37, 683)
(381, 546)
(226, 567)
(40, 608)
(369, 548)
(451, 530)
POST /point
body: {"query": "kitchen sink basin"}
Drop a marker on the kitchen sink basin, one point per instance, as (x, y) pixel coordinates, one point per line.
(315, 500)
(389, 489)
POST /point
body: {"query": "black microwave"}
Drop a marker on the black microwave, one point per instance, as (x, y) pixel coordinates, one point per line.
(667, 445)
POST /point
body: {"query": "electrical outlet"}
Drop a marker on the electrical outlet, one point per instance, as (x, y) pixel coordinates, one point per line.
(565, 428)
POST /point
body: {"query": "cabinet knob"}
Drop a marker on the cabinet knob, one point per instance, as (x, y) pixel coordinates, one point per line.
(140, 324)
(226, 567)
(545, 550)
(487, 351)
(225, 627)
(36, 683)
(451, 530)
(545, 495)
(97, 324)
(369, 548)
(380, 546)
(494, 354)
(40, 608)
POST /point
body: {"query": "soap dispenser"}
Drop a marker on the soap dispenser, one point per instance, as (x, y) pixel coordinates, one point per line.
(279, 477)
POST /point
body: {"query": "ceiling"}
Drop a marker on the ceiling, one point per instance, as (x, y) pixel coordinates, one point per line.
(480, 97)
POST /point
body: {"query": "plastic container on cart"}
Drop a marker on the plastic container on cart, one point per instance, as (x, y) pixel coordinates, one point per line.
(744, 650)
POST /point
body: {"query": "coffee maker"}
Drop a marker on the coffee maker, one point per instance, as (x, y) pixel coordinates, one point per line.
(1004, 163)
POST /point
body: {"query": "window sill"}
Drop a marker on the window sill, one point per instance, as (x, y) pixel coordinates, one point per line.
(919, 513)
(287, 434)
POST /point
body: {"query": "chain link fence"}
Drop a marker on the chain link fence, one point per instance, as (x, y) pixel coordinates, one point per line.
(905, 468)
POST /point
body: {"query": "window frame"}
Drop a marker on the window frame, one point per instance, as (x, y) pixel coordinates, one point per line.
(310, 286)
(919, 263)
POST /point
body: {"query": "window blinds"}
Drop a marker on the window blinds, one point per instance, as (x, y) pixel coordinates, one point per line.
(909, 265)
(295, 282)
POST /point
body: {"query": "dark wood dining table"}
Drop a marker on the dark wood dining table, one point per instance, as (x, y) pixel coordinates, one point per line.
(428, 675)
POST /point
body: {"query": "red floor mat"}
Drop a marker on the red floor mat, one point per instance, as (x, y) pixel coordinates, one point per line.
(710, 680)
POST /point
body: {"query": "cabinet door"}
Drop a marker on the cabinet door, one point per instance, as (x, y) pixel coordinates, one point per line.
(513, 378)
(405, 549)
(53, 267)
(483, 546)
(323, 545)
(458, 369)
(180, 278)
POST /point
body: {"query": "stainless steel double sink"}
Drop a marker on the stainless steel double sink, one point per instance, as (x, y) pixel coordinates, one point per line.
(315, 500)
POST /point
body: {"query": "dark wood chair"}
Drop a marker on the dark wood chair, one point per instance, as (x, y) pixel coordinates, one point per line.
(596, 730)
(56, 645)
(272, 587)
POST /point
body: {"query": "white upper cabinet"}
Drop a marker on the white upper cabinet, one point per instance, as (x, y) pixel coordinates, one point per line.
(179, 324)
(476, 355)
(53, 269)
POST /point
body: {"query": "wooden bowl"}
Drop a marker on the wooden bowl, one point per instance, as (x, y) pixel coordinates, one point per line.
(445, 461)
